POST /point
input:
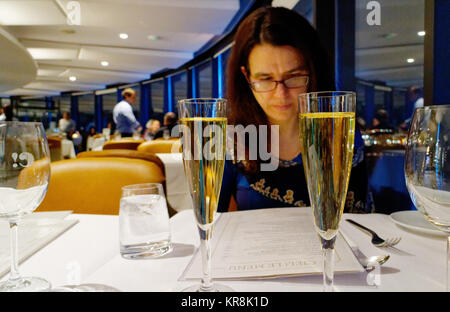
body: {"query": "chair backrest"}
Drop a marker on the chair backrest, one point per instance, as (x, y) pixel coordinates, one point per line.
(123, 153)
(54, 145)
(130, 144)
(160, 146)
(93, 184)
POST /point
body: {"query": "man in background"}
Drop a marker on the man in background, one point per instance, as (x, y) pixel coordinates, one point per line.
(414, 96)
(170, 121)
(66, 125)
(123, 115)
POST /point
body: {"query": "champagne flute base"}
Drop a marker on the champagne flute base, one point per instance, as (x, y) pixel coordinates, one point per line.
(25, 284)
(214, 288)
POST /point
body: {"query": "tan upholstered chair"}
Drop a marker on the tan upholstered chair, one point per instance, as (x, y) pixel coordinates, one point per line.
(54, 145)
(93, 184)
(127, 143)
(161, 146)
(123, 153)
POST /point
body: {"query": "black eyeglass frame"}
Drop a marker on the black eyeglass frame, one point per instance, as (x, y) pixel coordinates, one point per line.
(277, 82)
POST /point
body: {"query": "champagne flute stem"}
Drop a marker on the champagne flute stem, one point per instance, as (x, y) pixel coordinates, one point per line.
(205, 247)
(328, 269)
(14, 275)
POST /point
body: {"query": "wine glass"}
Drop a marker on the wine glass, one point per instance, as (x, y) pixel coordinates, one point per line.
(203, 124)
(24, 177)
(327, 131)
(427, 167)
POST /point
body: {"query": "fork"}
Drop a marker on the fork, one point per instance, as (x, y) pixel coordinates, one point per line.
(376, 240)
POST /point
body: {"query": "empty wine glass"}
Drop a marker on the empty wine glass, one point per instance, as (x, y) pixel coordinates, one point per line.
(427, 167)
(24, 177)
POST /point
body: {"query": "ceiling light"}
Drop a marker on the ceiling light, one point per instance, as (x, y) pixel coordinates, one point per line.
(410, 60)
(105, 63)
(123, 36)
(421, 33)
(151, 37)
(72, 78)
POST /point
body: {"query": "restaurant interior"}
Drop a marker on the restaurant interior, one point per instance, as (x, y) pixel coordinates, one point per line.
(78, 57)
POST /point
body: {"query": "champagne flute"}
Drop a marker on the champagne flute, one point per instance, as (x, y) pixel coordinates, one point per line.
(327, 130)
(24, 177)
(427, 167)
(203, 124)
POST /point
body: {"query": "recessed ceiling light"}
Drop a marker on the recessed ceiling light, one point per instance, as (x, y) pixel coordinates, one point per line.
(410, 60)
(72, 78)
(105, 63)
(123, 36)
(421, 33)
(152, 37)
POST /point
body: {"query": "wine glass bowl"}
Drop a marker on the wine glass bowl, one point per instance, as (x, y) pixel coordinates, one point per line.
(427, 167)
(24, 178)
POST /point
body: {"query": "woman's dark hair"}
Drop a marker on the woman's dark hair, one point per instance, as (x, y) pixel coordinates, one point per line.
(276, 26)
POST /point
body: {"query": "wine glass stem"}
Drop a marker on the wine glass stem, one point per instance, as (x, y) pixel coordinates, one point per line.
(14, 275)
(205, 248)
(328, 269)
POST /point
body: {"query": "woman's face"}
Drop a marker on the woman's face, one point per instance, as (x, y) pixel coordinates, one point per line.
(268, 62)
(155, 126)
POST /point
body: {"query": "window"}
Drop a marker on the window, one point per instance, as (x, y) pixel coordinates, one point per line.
(204, 80)
(179, 89)
(86, 111)
(157, 99)
(109, 100)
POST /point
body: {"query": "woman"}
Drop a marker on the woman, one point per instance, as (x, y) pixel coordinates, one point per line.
(277, 55)
(152, 126)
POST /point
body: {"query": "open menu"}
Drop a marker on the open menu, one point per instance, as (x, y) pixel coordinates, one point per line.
(267, 243)
(35, 231)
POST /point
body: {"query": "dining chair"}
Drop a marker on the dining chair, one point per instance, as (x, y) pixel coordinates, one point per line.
(92, 185)
(160, 146)
(126, 143)
(123, 153)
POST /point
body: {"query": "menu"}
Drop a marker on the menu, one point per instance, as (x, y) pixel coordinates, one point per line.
(34, 232)
(267, 243)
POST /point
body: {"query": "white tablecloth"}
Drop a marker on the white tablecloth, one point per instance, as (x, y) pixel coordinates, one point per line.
(89, 253)
(67, 149)
(176, 184)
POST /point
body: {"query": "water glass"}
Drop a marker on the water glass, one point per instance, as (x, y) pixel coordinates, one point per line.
(144, 227)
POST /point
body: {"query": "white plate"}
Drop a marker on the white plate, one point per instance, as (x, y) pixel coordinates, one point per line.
(414, 220)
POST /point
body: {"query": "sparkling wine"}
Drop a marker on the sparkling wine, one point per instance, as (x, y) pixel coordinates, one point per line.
(327, 149)
(204, 144)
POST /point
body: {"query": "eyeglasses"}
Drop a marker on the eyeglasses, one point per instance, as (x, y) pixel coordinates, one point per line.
(270, 85)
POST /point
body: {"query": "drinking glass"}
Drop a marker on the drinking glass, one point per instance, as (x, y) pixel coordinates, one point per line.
(427, 167)
(144, 227)
(203, 124)
(24, 177)
(327, 130)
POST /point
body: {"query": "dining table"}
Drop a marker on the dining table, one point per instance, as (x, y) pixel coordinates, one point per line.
(88, 253)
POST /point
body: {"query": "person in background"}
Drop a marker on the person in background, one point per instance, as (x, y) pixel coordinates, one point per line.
(2, 114)
(123, 116)
(277, 55)
(67, 125)
(414, 96)
(170, 121)
(152, 126)
(8, 111)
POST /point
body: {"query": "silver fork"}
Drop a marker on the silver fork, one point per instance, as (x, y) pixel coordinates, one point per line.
(376, 240)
